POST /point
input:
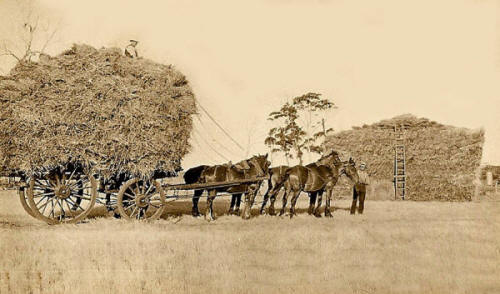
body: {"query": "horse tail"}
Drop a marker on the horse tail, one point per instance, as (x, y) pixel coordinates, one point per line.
(283, 177)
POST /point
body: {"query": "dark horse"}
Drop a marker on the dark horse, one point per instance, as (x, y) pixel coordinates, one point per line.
(315, 179)
(257, 166)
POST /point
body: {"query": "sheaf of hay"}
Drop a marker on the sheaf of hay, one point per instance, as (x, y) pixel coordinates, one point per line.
(96, 107)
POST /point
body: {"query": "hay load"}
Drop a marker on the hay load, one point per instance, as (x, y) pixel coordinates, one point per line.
(98, 108)
(441, 161)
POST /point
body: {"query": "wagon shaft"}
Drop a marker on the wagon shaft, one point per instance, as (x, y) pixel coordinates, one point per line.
(213, 185)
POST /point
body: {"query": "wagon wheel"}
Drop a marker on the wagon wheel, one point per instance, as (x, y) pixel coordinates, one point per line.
(142, 200)
(23, 197)
(65, 196)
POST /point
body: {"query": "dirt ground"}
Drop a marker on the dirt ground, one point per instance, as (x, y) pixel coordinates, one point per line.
(394, 247)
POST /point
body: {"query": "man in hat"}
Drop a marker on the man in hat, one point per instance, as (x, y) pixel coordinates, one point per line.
(130, 50)
(359, 189)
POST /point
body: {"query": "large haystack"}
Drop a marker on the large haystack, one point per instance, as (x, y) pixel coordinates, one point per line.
(97, 107)
(442, 161)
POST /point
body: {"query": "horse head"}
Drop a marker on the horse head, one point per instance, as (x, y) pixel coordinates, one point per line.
(330, 158)
(349, 169)
(261, 164)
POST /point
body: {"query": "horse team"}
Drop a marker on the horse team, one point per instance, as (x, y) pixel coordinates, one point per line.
(315, 179)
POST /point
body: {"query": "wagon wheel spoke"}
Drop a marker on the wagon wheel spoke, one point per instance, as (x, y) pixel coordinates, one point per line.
(75, 205)
(43, 194)
(40, 200)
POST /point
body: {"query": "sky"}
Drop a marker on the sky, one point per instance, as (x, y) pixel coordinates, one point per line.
(244, 59)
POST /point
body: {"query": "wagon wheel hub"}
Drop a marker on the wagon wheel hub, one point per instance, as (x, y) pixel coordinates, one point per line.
(141, 201)
(62, 191)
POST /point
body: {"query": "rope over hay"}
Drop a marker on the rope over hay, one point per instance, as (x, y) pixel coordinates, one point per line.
(96, 107)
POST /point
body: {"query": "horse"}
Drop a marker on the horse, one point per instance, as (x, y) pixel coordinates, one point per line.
(192, 176)
(274, 184)
(256, 166)
(316, 178)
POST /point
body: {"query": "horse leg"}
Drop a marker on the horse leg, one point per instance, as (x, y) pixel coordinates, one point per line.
(293, 202)
(329, 193)
(274, 192)
(271, 210)
(210, 201)
(249, 200)
(285, 198)
(237, 204)
(318, 206)
(266, 197)
(312, 202)
(354, 200)
(362, 195)
(233, 202)
(196, 198)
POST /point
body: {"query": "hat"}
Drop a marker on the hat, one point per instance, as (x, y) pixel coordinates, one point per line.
(362, 164)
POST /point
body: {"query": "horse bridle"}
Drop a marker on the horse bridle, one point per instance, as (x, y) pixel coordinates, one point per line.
(260, 171)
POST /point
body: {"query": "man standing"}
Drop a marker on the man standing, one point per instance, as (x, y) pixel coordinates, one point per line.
(130, 50)
(359, 189)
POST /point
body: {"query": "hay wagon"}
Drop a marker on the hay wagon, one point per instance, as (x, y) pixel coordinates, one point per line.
(68, 194)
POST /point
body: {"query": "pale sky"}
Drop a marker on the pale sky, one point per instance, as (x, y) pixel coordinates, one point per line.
(374, 59)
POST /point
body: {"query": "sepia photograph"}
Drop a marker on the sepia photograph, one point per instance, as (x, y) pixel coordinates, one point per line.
(265, 146)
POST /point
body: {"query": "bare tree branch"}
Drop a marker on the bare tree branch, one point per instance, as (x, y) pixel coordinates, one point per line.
(33, 34)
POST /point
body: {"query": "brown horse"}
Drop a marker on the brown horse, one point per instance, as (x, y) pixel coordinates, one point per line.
(315, 178)
(257, 167)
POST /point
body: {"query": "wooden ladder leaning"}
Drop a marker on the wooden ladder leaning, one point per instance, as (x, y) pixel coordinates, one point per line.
(399, 163)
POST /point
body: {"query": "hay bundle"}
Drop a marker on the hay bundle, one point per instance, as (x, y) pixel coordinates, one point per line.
(96, 107)
(441, 161)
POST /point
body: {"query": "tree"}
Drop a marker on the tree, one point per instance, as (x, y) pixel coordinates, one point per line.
(29, 33)
(294, 136)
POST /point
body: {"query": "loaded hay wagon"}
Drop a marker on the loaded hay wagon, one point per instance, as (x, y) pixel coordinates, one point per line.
(93, 126)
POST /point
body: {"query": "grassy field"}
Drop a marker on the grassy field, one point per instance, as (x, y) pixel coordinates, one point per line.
(395, 247)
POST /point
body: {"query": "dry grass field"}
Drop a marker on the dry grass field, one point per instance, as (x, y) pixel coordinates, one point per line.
(395, 247)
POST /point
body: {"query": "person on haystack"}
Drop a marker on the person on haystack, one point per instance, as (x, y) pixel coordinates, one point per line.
(130, 50)
(359, 189)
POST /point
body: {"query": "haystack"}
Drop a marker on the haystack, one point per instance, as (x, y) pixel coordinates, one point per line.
(442, 161)
(96, 107)
(494, 169)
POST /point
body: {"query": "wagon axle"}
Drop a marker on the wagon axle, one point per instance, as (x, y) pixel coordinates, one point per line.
(142, 201)
(62, 191)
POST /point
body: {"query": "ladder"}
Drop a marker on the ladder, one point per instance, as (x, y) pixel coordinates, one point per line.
(399, 163)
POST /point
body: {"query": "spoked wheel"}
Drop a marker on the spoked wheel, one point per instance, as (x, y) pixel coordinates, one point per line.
(23, 197)
(142, 200)
(62, 195)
